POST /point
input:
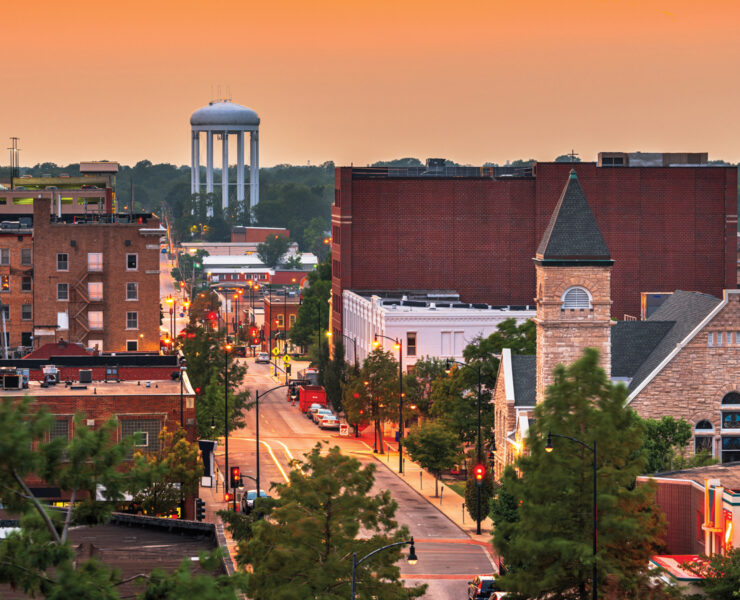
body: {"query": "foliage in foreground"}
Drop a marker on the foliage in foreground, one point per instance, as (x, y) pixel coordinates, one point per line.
(721, 575)
(303, 548)
(38, 559)
(547, 546)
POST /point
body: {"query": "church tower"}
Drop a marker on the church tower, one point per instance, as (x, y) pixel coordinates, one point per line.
(573, 300)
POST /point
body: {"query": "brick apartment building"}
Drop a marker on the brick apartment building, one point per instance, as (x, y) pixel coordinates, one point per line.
(475, 230)
(16, 284)
(281, 309)
(96, 280)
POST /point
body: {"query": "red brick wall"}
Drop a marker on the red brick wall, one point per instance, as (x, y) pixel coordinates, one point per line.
(667, 229)
(110, 239)
(15, 298)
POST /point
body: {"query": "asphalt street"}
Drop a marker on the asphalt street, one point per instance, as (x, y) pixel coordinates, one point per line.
(448, 558)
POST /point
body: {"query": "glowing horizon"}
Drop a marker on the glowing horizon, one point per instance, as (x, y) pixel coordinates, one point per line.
(357, 82)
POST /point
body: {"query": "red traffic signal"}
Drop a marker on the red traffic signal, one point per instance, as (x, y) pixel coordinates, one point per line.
(479, 473)
(236, 477)
(212, 316)
(228, 497)
(253, 332)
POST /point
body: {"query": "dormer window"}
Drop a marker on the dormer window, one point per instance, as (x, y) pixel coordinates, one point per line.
(576, 298)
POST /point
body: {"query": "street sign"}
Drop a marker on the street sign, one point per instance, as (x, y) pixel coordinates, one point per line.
(286, 359)
(275, 352)
(344, 429)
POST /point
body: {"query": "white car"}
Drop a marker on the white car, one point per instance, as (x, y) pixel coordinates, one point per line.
(321, 413)
(262, 357)
(331, 422)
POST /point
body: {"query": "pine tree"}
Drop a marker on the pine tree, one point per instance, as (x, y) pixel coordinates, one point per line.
(548, 550)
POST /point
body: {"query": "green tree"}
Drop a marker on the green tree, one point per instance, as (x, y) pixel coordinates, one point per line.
(313, 313)
(471, 490)
(665, 440)
(176, 461)
(418, 385)
(293, 262)
(434, 447)
(336, 376)
(721, 575)
(37, 559)
(304, 549)
(548, 549)
(372, 395)
(272, 250)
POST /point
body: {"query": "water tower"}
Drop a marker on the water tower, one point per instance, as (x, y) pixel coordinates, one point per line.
(224, 118)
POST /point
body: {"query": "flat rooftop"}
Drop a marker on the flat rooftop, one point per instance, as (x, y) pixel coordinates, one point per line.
(450, 301)
(159, 387)
(728, 474)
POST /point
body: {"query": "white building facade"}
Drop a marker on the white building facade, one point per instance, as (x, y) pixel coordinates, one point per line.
(440, 329)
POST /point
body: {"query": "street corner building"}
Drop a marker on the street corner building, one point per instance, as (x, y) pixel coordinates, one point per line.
(682, 359)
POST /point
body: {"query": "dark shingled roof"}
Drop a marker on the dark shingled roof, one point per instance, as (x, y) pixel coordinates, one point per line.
(524, 372)
(686, 310)
(572, 232)
(632, 343)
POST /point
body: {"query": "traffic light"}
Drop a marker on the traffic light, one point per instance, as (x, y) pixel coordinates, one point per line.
(228, 497)
(212, 315)
(479, 473)
(200, 509)
(253, 332)
(236, 477)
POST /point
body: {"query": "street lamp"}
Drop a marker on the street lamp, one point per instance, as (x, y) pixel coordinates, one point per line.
(257, 428)
(448, 363)
(548, 449)
(227, 349)
(412, 559)
(397, 346)
(329, 334)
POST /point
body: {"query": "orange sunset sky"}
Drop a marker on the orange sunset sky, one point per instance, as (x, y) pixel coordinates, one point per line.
(355, 81)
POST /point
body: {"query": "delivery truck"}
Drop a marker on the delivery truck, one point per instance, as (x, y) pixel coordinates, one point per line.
(311, 394)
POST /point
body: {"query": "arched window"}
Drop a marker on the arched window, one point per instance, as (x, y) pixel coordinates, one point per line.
(704, 425)
(731, 398)
(576, 298)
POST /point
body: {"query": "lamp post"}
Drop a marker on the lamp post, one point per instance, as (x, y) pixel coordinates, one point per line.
(329, 334)
(227, 484)
(257, 427)
(549, 448)
(183, 370)
(397, 345)
(412, 559)
(450, 362)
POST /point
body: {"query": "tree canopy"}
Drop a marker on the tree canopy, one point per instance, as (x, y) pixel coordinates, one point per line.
(272, 250)
(304, 548)
(547, 547)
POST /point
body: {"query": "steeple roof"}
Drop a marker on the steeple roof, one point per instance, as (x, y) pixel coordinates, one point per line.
(573, 234)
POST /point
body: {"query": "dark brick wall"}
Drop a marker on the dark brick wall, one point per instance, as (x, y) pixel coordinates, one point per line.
(667, 229)
(15, 297)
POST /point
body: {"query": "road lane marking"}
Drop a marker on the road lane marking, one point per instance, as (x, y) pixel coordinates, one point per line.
(274, 458)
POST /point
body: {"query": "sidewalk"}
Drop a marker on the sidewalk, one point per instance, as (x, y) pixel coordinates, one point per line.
(448, 502)
(214, 499)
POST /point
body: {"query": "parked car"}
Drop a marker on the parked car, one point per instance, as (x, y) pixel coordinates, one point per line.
(321, 413)
(312, 410)
(249, 498)
(240, 351)
(331, 422)
(481, 587)
(262, 357)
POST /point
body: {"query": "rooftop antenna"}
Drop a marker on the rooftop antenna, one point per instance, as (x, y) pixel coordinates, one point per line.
(219, 92)
(228, 93)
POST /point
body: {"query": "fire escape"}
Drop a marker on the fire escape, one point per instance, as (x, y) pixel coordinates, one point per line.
(79, 308)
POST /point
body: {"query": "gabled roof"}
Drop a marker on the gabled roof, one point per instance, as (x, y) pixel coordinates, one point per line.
(633, 342)
(524, 374)
(60, 348)
(686, 310)
(573, 233)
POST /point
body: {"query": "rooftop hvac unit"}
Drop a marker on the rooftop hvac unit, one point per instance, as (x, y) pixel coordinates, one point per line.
(12, 382)
(51, 374)
(85, 375)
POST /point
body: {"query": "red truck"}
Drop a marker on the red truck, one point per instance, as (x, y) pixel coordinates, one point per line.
(311, 394)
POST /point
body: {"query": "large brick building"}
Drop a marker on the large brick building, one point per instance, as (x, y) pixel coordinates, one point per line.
(682, 361)
(476, 230)
(96, 281)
